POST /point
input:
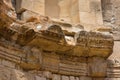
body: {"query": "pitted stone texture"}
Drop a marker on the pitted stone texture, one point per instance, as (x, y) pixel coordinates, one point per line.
(85, 78)
(40, 78)
(65, 78)
(35, 6)
(47, 74)
(8, 63)
(72, 78)
(56, 77)
(5, 74)
(97, 67)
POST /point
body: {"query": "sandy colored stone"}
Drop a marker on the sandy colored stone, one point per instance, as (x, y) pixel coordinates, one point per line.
(72, 78)
(98, 78)
(35, 6)
(47, 74)
(65, 78)
(97, 67)
(56, 77)
(8, 64)
(77, 78)
(28, 14)
(40, 78)
(85, 78)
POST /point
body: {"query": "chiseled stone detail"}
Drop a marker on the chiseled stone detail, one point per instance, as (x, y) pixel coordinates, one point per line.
(48, 49)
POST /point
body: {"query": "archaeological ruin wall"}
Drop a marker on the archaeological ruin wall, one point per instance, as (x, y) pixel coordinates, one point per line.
(59, 40)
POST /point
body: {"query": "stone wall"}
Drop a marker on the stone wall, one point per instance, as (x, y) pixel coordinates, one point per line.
(36, 51)
(111, 16)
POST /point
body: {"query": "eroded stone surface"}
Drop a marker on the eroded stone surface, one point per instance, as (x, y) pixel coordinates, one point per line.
(42, 48)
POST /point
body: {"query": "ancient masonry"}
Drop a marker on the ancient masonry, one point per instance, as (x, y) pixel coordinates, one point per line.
(59, 40)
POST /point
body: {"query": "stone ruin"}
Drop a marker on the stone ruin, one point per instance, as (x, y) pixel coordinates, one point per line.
(39, 47)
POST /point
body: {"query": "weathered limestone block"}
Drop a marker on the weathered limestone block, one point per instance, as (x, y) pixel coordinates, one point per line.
(56, 77)
(65, 10)
(5, 74)
(81, 44)
(35, 6)
(52, 5)
(75, 17)
(20, 75)
(28, 14)
(47, 74)
(93, 44)
(70, 67)
(5, 19)
(77, 78)
(50, 62)
(98, 79)
(98, 45)
(72, 78)
(112, 79)
(97, 67)
(113, 70)
(116, 50)
(40, 78)
(91, 13)
(65, 78)
(85, 78)
(8, 64)
(51, 39)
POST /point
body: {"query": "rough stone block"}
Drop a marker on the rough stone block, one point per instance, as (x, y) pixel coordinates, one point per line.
(87, 17)
(28, 14)
(18, 75)
(56, 77)
(77, 78)
(47, 74)
(5, 74)
(85, 78)
(98, 79)
(86, 4)
(40, 78)
(8, 64)
(112, 79)
(72, 78)
(33, 5)
(65, 78)
(97, 67)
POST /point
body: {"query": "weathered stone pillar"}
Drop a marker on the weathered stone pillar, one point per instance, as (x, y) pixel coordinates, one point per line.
(90, 12)
(37, 6)
(52, 5)
(97, 67)
(75, 17)
(65, 9)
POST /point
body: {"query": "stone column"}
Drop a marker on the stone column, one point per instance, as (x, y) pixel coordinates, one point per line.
(90, 12)
(97, 67)
(75, 17)
(37, 6)
(52, 5)
(65, 6)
